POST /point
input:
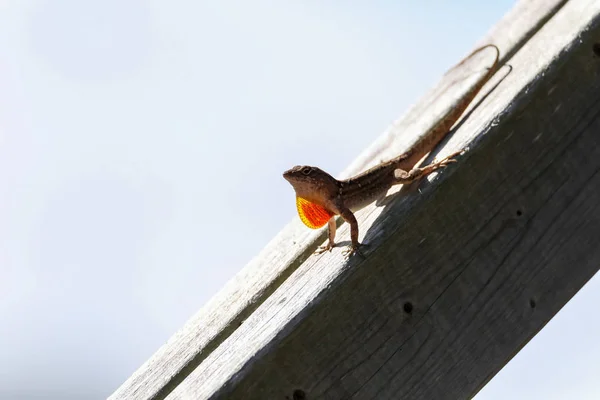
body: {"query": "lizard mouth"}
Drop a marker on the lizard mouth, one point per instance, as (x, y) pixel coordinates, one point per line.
(290, 173)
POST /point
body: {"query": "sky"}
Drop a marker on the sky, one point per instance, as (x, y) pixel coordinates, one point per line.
(141, 151)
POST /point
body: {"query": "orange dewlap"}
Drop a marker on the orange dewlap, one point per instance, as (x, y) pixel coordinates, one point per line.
(313, 215)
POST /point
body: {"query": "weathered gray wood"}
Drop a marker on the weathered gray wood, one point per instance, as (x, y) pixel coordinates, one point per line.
(458, 278)
(279, 260)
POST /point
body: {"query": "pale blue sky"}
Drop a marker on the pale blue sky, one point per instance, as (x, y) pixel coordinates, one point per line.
(141, 151)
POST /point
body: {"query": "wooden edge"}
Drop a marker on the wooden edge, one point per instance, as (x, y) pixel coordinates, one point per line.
(238, 299)
(315, 330)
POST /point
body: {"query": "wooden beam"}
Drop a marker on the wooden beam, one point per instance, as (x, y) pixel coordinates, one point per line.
(457, 279)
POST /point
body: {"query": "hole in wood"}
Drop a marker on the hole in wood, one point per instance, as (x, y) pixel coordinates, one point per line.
(519, 213)
(299, 394)
(596, 48)
(408, 307)
(532, 303)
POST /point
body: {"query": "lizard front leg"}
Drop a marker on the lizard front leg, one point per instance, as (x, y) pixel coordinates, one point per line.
(355, 245)
(331, 226)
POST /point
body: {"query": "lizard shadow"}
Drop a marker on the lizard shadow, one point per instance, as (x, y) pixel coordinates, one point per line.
(415, 187)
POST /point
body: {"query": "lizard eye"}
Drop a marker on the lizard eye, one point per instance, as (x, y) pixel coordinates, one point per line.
(306, 170)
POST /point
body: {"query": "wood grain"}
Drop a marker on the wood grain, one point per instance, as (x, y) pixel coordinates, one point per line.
(460, 276)
(211, 327)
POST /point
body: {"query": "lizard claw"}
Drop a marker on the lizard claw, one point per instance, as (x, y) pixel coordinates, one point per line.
(449, 159)
(354, 249)
(324, 248)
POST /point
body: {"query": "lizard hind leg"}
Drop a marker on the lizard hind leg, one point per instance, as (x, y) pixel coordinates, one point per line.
(403, 177)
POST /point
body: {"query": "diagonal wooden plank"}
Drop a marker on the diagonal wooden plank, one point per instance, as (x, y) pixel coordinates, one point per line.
(460, 277)
(222, 315)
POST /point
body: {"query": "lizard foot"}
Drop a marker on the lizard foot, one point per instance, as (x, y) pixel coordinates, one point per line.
(354, 249)
(450, 159)
(324, 248)
(435, 165)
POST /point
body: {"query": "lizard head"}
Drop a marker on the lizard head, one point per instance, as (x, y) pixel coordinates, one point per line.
(315, 189)
(311, 182)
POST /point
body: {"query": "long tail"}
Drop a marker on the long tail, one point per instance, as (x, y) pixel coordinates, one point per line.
(431, 138)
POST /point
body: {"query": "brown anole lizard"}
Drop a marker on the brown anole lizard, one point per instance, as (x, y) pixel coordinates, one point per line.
(319, 196)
